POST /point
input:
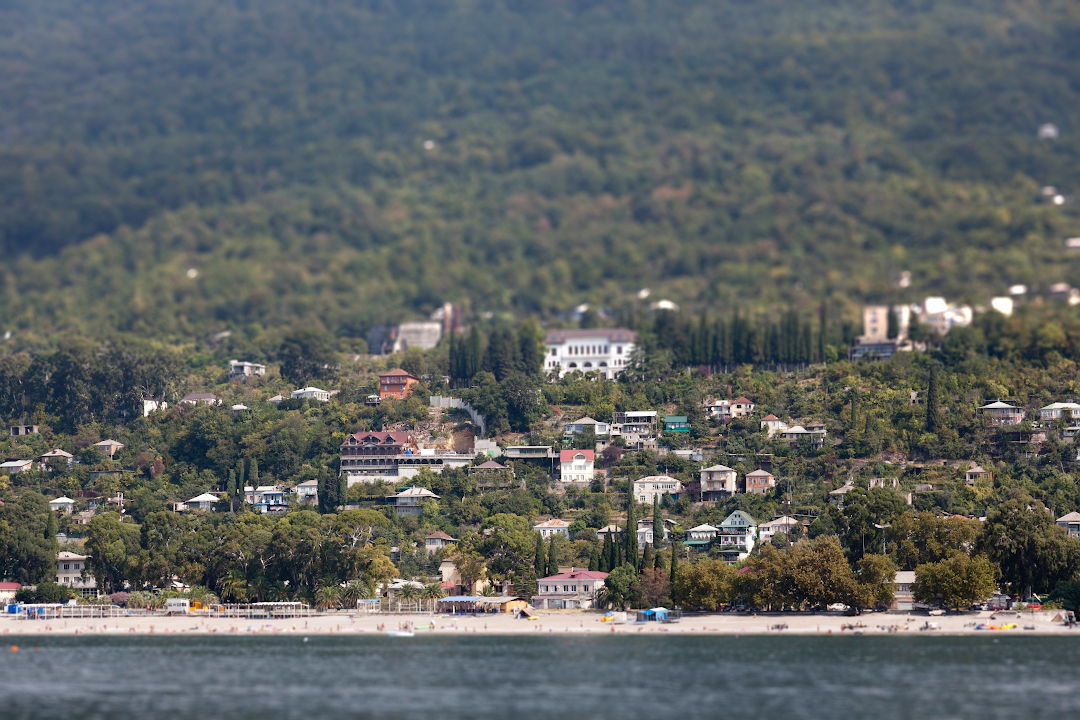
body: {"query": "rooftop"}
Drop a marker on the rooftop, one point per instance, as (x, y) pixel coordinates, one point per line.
(576, 574)
(557, 337)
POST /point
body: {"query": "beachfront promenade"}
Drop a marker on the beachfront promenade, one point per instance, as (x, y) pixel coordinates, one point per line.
(1041, 622)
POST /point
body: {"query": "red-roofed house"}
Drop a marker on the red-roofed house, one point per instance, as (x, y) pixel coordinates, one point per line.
(7, 591)
(574, 589)
(773, 425)
(576, 466)
(376, 453)
(397, 384)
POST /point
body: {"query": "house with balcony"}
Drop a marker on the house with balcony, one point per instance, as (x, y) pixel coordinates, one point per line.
(760, 482)
(646, 533)
(813, 434)
(676, 423)
(737, 536)
(437, 541)
(701, 537)
(566, 590)
(241, 370)
(727, 410)
(782, 524)
(584, 425)
(603, 352)
(410, 501)
(1002, 413)
(637, 428)
(576, 466)
(307, 491)
(904, 591)
(204, 502)
(375, 455)
(648, 488)
(976, 474)
(717, 482)
(1053, 411)
(397, 384)
(73, 572)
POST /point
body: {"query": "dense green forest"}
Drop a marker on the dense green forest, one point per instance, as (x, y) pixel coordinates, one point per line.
(348, 162)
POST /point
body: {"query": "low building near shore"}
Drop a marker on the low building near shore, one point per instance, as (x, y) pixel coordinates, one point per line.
(575, 589)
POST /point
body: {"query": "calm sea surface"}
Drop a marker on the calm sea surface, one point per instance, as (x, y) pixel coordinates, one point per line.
(552, 677)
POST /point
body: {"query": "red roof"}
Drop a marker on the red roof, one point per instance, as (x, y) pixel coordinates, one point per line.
(397, 372)
(10, 585)
(568, 455)
(578, 575)
(743, 400)
(439, 535)
(770, 416)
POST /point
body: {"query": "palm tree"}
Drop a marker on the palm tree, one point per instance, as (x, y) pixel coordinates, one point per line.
(353, 591)
(489, 591)
(234, 586)
(327, 597)
(409, 592)
(434, 591)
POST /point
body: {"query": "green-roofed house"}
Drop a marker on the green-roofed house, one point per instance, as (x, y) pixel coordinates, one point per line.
(737, 536)
(676, 423)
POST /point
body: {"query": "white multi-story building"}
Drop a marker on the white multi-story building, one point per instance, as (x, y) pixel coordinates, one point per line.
(737, 536)
(648, 488)
(602, 351)
(727, 409)
(717, 482)
(576, 466)
(637, 428)
(241, 369)
(575, 589)
(69, 572)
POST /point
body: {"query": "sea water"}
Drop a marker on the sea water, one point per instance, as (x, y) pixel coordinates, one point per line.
(557, 677)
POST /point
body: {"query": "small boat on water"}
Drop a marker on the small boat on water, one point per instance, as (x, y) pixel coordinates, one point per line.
(399, 633)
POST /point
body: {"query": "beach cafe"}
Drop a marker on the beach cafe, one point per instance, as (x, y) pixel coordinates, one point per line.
(657, 614)
(468, 604)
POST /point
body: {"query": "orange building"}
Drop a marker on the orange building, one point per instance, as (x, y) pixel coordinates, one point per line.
(396, 384)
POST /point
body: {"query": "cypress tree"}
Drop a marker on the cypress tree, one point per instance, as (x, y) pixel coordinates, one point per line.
(230, 490)
(854, 408)
(657, 523)
(605, 555)
(553, 559)
(674, 565)
(933, 403)
(538, 558)
(647, 559)
(240, 480)
(254, 473)
(342, 489)
(631, 533)
(594, 559)
(823, 329)
(659, 563)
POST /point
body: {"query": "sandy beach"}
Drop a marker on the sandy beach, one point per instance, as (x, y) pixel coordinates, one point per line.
(569, 622)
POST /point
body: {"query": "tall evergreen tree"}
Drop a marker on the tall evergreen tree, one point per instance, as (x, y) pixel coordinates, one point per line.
(823, 331)
(674, 565)
(933, 403)
(605, 555)
(647, 559)
(230, 490)
(539, 558)
(657, 523)
(553, 559)
(631, 533)
(594, 558)
(254, 473)
(240, 480)
(893, 329)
